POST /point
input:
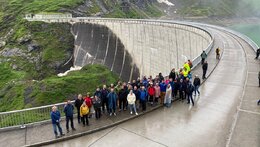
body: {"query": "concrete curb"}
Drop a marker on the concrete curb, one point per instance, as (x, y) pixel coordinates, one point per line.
(65, 138)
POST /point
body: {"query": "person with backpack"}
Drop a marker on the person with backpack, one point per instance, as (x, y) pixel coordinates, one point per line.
(257, 53)
(55, 119)
(190, 89)
(203, 56)
(79, 101)
(97, 106)
(84, 110)
(68, 110)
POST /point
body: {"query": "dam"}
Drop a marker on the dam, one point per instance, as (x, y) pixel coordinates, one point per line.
(134, 48)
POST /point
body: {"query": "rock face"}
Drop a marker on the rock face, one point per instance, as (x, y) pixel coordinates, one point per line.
(11, 52)
(33, 47)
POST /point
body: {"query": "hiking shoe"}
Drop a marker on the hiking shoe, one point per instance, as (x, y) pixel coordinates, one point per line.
(136, 113)
(131, 112)
(114, 114)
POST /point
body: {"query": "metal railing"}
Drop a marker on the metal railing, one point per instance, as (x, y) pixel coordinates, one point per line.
(20, 118)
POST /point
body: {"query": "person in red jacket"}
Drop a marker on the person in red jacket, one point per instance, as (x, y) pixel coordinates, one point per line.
(88, 102)
(151, 93)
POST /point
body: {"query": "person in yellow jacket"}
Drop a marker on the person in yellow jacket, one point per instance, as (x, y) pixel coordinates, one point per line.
(187, 66)
(84, 110)
(185, 72)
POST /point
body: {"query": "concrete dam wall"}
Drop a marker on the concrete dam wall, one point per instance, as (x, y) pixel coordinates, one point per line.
(136, 48)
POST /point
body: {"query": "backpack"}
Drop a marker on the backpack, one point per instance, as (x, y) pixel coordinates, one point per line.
(84, 110)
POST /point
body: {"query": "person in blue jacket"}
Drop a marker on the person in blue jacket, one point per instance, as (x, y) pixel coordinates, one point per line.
(55, 119)
(112, 99)
(143, 96)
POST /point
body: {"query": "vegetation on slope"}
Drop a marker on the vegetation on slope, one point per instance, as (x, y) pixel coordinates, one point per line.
(24, 94)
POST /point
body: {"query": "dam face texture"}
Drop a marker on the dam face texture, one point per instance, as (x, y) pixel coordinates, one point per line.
(137, 49)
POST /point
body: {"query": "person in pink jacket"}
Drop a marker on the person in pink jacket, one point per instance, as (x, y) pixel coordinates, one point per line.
(157, 92)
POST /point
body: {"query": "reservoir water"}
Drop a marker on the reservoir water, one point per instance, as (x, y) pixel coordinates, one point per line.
(250, 30)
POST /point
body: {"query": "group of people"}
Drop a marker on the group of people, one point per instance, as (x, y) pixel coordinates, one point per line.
(134, 95)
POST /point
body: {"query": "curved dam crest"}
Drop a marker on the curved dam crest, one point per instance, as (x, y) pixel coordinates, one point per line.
(133, 49)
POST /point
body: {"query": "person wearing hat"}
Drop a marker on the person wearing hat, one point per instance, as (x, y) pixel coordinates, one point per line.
(196, 84)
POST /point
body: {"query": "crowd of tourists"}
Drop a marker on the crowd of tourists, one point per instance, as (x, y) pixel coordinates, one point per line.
(135, 95)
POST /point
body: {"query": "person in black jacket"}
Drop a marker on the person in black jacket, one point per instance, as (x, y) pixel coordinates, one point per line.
(172, 74)
(104, 99)
(204, 68)
(196, 84)
(68, 110)
(189, 90)
(122, 98)
(79, 101)
(182, 89)
(97, 106)
(98, 92)
(257, 53)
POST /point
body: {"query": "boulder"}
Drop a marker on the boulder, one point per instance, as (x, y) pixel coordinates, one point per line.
(24, 39)
(33, 47)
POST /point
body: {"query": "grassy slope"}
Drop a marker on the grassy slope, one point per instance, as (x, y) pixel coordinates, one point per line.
(54, 89)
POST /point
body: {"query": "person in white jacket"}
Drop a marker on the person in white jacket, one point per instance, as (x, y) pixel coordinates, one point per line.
(131, 102)
(168, 96)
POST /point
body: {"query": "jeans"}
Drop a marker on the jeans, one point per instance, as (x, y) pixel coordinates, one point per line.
(132, 107)
(112, 107)
(55, 129)
(197, 89)
(69, 118)
(190, 99)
